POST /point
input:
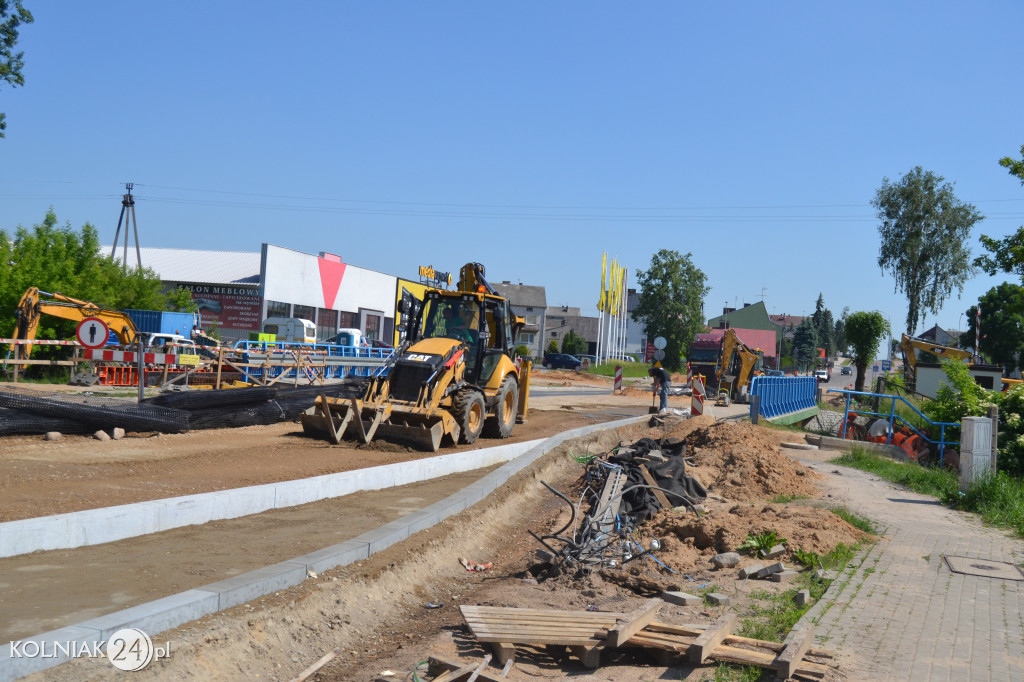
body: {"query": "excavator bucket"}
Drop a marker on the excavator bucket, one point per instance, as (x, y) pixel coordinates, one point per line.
(333, 417)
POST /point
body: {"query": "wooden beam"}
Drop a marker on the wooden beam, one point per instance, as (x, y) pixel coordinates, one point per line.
(696, 630)
(633, 623)
(504, 652)
(702, 647)
(438, 666)
(658, 494)
(796, 644)
(590, 656)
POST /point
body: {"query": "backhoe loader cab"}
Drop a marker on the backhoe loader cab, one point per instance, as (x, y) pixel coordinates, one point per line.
(455, 375)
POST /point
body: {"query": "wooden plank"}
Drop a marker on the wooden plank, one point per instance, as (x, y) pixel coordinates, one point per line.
(453, 675)
(553, 628)
(658, 494)
(634, 622)
(508, 666)
(480, 668)
(692, 631)
(797, 642)
(712, 637)
(510, 610)
(311, 670)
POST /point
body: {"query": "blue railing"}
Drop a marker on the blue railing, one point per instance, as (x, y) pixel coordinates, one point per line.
(341, 361)
(780, 396)
(892, 417)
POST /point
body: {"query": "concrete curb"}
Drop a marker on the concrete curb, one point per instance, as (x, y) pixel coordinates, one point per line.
(108, 524)
(163, 614)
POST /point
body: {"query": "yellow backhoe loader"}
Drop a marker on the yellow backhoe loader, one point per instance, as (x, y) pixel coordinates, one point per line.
(737, 365)
(33, 306)
(454, 376)
(910, 346)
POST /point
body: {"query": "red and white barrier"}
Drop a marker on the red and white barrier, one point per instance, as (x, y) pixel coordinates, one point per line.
(618, 379)
(698, 396)
(25, 342)
(127, 356)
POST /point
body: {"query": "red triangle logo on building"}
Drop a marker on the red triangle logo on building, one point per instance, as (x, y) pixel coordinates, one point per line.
(331, 274)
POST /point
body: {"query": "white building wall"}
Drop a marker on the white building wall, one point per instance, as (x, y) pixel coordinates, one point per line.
(301, 279)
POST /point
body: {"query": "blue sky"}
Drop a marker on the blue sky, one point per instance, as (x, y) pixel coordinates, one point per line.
(528, 136)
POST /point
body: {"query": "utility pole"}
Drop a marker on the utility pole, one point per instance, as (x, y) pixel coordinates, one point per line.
(127, 212)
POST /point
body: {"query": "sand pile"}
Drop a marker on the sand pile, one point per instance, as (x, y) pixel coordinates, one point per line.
(741, 461)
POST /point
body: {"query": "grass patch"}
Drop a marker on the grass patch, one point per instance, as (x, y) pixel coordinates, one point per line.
(629, 369)
(772, 616)
(940, 483)
(854, 520)
(998, 499)
(786, 499)
(731, 672)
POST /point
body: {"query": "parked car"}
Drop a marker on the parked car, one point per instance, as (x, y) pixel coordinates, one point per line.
(561, 361)
(846, 370)
(774, 373)
(822, 375)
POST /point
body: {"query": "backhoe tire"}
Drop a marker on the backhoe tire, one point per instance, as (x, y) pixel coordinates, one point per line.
(469, 411)
(505, 410)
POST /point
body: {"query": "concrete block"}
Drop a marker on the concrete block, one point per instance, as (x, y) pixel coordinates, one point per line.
(802, 598)
(302, 491)
(776, 551)
(718, 599)
(748, 571)
(725, 560)
(385, 536)
(52, 435)
(477, 492)
(341, 554)
(825, 575)
(28, 535)
(117, 433)
(681, 598)
(769, 570)
(784, 576)
(101, 436)
(55, 648)
(436, 513)
(231, 505)
(96, 526)
(243, 588)
(156, 616)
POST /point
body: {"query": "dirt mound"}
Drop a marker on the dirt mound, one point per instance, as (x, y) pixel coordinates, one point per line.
(741, 461)
(549, 377)
(634, 392)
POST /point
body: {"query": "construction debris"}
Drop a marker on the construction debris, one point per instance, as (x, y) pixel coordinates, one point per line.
(622, 489)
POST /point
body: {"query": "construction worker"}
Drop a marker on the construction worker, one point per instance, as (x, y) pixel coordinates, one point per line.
(662, 381)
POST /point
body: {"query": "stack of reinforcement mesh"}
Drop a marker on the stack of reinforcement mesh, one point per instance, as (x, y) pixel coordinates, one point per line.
(24, 412)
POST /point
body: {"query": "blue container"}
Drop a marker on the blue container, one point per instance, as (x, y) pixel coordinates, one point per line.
(162, 322)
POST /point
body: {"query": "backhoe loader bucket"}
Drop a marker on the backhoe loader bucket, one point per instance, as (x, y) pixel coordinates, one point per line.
(332, 418)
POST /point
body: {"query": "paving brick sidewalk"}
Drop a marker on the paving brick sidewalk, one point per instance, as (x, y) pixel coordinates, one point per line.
(901, 614)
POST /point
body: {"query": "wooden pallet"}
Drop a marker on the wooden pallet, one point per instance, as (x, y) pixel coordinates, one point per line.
(587, 633)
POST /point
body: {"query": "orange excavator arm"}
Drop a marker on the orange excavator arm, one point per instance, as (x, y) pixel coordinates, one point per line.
(33, 306)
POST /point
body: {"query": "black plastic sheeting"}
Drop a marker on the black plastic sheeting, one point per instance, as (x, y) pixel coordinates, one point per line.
(25, 413)
(638, 501)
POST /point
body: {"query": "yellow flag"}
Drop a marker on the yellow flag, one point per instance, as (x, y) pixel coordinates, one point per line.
(603, 301)
(616, 286)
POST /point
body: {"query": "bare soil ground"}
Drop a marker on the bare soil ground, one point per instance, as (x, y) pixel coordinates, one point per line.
(374, 613)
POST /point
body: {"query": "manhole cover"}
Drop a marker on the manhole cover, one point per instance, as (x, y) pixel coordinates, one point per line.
(984, 568)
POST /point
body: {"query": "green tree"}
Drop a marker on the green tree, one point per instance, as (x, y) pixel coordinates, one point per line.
(840, 332)
(68, 261)
(824, 326)
(180, 300)
(805, 343)
(1008, 252)
(671, 302)
(552, 346)
(522, 351)
(11, 17)
(573, 343)
(924, 231)
(864, 330)
(1002, 326)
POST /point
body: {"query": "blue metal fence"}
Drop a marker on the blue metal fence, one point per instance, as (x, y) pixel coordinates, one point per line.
(339, 361)
(892, 417)
(780, 396)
